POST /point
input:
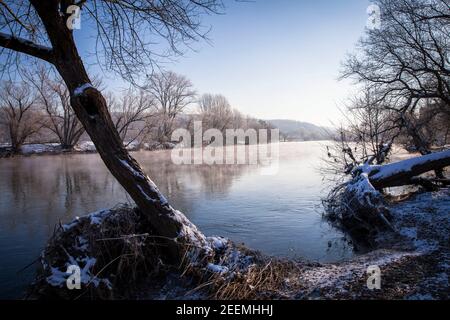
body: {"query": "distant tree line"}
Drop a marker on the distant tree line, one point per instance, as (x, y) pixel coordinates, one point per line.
(37, 109)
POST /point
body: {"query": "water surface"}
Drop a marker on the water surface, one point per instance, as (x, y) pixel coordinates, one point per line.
(278, 214)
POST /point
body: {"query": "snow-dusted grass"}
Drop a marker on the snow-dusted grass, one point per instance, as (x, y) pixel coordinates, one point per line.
(28, 149)
(424, 219)
(415, 263)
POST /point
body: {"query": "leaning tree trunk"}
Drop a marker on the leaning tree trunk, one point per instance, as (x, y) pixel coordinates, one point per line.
(91, 109)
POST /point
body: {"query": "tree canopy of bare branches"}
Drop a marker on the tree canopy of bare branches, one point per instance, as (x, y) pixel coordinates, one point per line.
(131, 114)
(126, 33)
(215, 112)
(407, 59)
(54, 100)
(131, 37)
(18, 113)
(405, 67)
(172, 94)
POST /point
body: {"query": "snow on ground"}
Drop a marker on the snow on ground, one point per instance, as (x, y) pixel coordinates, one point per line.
(424, 219)
(414, 263)
(131, 146)
(40, 148)
(339, 280)
(85, 146)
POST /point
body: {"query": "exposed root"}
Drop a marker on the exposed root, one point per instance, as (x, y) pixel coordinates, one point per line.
(114, 250)
(358, 209)
(117, 253)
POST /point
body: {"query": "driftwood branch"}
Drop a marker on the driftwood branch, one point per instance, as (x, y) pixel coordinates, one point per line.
(402, 172)
(360, 207)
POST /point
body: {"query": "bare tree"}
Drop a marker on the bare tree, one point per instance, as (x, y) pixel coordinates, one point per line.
(405, 66)
(19, 114)
(407, 59)
(172, 93)
(54, 99)
(365, 138)
(131, 113)
(126, 31)
(431, 124)
(216, 112)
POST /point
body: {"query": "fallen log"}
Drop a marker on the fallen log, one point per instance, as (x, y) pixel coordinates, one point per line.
(360, 208)
(402, 173)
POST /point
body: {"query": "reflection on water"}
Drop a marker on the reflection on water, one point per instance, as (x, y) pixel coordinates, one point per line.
(279, 214)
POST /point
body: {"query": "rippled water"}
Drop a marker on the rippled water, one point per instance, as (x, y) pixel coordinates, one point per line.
(278, 214)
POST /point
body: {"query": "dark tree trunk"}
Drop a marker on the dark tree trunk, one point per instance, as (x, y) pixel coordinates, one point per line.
(420, 143)
(91, 109)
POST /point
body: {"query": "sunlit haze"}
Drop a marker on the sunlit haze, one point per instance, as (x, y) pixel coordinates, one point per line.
(275, 59)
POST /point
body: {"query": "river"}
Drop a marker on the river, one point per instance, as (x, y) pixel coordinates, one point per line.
(278, 214)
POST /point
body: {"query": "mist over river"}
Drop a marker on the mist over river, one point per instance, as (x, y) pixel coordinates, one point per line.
(278, 214)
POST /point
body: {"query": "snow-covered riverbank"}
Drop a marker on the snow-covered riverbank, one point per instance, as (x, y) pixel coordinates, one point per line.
(82, 147)
(414, 263)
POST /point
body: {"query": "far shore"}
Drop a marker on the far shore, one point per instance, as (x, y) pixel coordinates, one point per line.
(87, 147)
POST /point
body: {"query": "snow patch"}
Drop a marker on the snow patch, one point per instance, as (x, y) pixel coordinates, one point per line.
(424, 220)
(94, 217)
(26, 42)
(72, 224)
(83, 244)
(218, 243)
(58, 278)
(85, 146)
(97, 217)
(145, 194)
(40, 148)
(216, 268)
(381, 172)
(80, 90)
(131, 169)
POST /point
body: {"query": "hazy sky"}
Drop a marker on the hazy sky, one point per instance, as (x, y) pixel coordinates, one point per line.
(278, 59)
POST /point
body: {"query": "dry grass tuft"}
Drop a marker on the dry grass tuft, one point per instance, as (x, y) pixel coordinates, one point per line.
(119, 241)
(271, 279)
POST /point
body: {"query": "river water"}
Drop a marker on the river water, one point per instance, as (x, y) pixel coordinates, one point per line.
(279, 214)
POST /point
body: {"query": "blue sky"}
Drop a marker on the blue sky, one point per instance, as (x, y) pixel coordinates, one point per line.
(277, 59)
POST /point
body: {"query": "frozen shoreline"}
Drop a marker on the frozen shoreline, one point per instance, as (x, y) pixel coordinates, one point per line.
(38, 149)
(414, 263)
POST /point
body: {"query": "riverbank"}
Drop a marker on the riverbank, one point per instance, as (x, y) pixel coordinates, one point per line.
(414, 262)
(83, 147)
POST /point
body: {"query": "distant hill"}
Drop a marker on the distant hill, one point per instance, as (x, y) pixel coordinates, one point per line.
(301, 131)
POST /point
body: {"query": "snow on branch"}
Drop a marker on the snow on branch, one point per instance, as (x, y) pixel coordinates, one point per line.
(26, 46)
(80, 90)
(400, 173)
